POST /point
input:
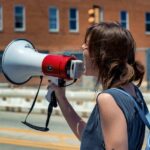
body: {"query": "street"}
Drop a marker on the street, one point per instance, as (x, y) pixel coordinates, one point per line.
(16, 136)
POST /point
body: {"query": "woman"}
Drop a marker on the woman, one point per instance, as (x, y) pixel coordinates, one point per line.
(114, 124)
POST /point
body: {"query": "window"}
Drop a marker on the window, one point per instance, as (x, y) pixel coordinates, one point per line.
(124, 19)
(1, 18)
(53, 19)
(147, 22)
(19, 18)
(73, 20)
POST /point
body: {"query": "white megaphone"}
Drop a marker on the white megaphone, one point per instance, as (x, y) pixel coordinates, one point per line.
(21, 61)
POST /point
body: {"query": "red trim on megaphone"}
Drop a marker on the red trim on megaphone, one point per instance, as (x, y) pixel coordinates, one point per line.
(57, 65)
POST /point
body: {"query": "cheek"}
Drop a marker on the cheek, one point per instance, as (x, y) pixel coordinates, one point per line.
(88, 64)
(86, 57)
(86, 54)
(89, 69)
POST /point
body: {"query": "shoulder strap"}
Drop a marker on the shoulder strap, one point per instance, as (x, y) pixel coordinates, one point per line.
(144, 117)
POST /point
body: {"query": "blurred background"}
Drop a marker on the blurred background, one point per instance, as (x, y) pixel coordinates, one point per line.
(58, 27)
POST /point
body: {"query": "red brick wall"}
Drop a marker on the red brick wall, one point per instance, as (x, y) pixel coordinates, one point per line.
(37, 22)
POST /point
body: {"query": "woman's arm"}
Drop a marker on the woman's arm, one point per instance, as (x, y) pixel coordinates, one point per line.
(113, 123)
(74, 121)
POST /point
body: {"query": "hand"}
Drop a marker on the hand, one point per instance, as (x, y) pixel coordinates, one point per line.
(59, 91)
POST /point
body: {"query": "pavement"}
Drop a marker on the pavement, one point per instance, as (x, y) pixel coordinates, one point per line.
(16, 136)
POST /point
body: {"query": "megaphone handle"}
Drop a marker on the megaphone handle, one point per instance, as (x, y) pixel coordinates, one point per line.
(53, 101)
(50, 96)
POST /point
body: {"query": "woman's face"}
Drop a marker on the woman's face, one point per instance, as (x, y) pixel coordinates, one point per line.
(89, 69)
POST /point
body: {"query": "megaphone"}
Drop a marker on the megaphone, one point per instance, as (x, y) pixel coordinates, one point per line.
(21, 61)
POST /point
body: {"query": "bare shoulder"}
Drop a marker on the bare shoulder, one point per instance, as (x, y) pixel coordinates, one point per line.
(106, 99)
(108, 106)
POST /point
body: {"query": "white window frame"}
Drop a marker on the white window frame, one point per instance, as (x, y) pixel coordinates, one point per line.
(147, 32)
(1, 18)
(127, 19)
(76, 19)
(24, 20)
(57, 19)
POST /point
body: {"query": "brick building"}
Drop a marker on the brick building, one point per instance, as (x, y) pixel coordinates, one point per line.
(59, 25)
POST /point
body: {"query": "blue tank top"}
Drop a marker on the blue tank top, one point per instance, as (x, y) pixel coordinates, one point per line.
(92, 137)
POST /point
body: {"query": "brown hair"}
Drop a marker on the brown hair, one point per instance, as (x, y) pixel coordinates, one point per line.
(112, 51)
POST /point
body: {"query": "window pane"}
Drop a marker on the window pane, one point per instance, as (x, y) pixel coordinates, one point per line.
(19, 25)
(147, 21)
(147, 16)
(19, 10)
(124, 25)
(19, 22)
(148, 27)
(73, 13)
(53, 26)
(53, 20)
(73, 19)
(19, 17)
(73, 25)
(123, 15)
(123, 19)
(53, 12)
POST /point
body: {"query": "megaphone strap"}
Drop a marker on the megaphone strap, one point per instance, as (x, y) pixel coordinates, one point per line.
(53, 103)
(35, 127)
(50, 109)
(32, 106)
